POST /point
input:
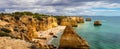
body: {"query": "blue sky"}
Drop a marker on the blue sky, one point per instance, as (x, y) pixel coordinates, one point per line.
(63, 7)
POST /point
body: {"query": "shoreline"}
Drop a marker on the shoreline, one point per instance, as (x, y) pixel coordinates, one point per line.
(45, 36)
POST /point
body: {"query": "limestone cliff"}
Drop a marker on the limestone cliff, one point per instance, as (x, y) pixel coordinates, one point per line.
(25, 24)
(52, 21)
(9, 43)
(78, 19)
(69, 21)
(71, 40)
(31, 23)
(43, 26)
(73, 23)
(65, 22)
(29, 26)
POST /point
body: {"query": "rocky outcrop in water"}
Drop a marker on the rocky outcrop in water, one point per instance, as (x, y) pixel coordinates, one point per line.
(71, 40)
(97, 23)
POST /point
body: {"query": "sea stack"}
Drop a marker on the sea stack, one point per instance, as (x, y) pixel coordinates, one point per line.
(88, 19)
(97, 23)
(71, 40)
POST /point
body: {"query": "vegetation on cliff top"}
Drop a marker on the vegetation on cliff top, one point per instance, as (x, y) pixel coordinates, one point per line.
(35, 15)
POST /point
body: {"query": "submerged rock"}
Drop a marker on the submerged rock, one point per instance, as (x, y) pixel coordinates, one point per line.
(71, 40)
(97, 23)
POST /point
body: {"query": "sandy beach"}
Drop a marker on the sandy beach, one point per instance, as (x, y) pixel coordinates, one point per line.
(45, 37)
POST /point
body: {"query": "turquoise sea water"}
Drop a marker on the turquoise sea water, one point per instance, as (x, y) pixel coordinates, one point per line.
(106, 36)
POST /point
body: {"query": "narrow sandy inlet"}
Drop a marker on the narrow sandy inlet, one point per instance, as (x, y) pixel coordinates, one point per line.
(46, 37)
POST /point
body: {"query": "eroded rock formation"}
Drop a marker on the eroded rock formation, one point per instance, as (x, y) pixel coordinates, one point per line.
(65, 21)
(69, 21)
(9, 43)
(26, 26)
(71, 40)
(52, 21)
(72, 21)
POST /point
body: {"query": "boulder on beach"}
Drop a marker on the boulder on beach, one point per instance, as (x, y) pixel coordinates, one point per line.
(97, 23)
(88, 19)
(71, 40)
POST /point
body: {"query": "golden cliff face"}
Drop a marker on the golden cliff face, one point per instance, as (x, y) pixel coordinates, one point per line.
(78, 19)
(52, 21)
(47, 23)
(30, 26)
(71, 21)
(8, 18)
(26, 25)
(43, 26)
(3, 23)
(65, 22)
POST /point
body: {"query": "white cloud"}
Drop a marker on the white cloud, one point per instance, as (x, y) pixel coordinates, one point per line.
(25, 1)
(102, 4)
(84, 8)
(104, 10)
